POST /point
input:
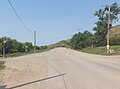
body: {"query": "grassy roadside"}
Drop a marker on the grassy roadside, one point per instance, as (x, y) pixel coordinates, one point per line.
(102, 50)
(2, 66)
(24, 53)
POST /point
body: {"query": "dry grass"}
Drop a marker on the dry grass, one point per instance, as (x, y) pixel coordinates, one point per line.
(115, 30)
(2, 65)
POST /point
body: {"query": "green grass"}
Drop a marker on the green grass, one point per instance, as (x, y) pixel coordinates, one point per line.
(17, 54)
(2, 66)
(102, 50)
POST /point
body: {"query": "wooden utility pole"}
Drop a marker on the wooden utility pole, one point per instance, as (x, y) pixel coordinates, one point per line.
(4, 44)
(108, 32)
(34, 41)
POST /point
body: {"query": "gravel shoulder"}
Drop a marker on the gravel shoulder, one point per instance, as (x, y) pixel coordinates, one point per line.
(24, 69)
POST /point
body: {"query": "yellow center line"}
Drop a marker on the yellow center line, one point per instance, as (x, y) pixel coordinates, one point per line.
(117, 76)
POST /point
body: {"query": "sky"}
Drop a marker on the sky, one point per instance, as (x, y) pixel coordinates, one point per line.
(53, 20)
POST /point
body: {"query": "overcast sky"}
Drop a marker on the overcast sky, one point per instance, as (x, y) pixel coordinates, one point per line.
(54, 20)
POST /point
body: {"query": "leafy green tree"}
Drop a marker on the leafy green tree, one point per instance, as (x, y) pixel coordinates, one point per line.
(37, 47)
(43, 47)
(12, 46)
(100, 33)
(101, 25)
(88, 38)
(9, 46)
(19, 47)
(1, 41)
(28, 45)
(81, 40)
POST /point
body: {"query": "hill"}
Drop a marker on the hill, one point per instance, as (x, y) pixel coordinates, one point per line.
(63, 43)
(115, 30)
(66, 43)
(115, 35)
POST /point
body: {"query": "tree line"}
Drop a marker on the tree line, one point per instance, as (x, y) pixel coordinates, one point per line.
(13, 46)
(98, 38)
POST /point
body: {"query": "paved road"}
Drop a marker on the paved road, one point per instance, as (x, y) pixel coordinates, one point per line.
(83, 71)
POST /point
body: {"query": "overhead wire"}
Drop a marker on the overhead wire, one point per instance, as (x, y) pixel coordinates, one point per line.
(19, 16)
(31, 31)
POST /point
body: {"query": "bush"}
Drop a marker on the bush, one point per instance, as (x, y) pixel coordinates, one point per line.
(82, 40)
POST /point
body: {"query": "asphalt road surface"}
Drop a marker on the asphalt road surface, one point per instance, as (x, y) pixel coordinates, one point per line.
(83, 71)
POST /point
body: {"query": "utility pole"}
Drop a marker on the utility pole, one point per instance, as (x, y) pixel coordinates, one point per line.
(108, 31)
(4, 43)
(34, 41)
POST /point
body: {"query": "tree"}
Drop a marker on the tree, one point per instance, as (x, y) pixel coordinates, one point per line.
(28, 45)
(12, 46)
(1, 41)
(81, 40)
(101, 25)
(43, 47)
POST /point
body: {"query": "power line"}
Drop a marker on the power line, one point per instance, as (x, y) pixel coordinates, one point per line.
(19, 17)
(22, 21)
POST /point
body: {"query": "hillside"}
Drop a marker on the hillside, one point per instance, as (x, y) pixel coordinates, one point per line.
(66, 43)
(115, 30)
(63, 43)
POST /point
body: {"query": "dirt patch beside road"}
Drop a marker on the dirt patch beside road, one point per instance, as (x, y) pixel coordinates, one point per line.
(23, 70)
